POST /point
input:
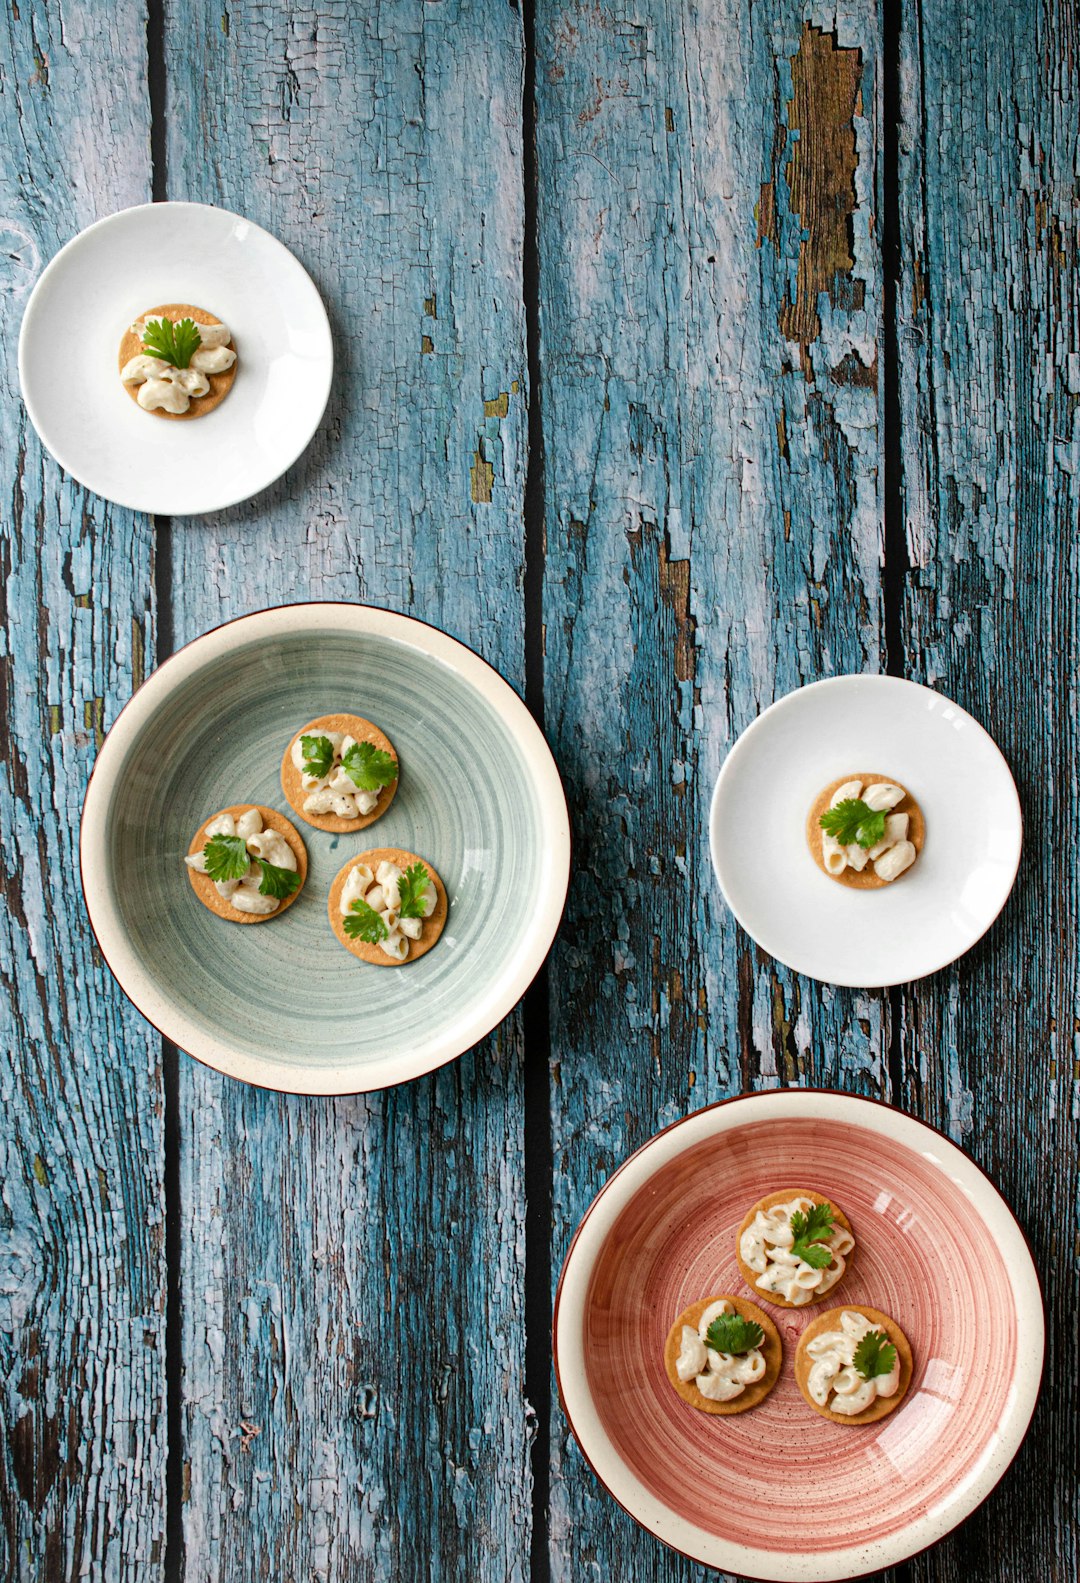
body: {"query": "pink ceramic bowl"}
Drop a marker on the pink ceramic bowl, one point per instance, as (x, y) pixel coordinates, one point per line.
(937, 1248)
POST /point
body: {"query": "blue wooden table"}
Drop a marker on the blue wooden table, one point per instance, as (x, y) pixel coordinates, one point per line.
(689, 352)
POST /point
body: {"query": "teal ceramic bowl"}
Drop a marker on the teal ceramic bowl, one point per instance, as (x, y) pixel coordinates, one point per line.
(283, 1005)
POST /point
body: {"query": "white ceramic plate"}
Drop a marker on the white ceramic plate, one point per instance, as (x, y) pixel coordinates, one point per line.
(175, 252)
(938, 1249)
(928, 917)
(283, 1004)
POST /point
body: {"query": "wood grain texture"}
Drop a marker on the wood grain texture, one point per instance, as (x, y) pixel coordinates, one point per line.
(352, 1271)
(710, 303)
(82, 1424)
(990, 363)
(709, 216)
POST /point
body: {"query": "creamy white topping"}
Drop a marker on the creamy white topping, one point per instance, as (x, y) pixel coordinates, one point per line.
(243, 894)
(213, 359)
(892, 854)
(174, 389)
(381, 891)
(766, 1247)
(720, 1376)
(334, 793)
(833, 1368)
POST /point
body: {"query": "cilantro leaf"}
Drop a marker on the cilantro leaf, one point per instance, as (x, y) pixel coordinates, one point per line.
(815, 1224)
(734, 1334)
(368, 767)
(810, 1231)
(872, 829)
(279, 882)
(875, 1355)
(318, 756)
(852, 821)
(173, 343)
(364, 923)
(411, 889)
(815, 1254)
(226, 858)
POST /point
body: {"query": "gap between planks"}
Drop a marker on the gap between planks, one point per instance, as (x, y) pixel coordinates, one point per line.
(173, 1566)
(896, 563)
(539, 1160)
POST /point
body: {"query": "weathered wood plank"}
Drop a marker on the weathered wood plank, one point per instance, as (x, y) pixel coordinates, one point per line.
(353, 1271)
(82, 1284)
(710, 307)
(989, 311)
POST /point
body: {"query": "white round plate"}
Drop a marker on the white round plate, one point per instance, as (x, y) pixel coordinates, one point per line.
(284, 1005)
(938, 1249)
(932, 914)
(175, 252)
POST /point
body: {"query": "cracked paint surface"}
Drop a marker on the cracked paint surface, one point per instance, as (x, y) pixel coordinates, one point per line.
(989, 330)
(713, 508)
(353, 1269)
(82, 1278)
(711, 299)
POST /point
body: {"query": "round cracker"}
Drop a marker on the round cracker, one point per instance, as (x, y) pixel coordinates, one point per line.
(220, 384)
(772, 1351)
(866, 879)
(292, 780)
(433, 925)
(784, 1196)
(207, 891)
(881, 1406)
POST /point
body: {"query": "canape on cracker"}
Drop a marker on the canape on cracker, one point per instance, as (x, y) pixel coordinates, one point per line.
(340, 773)
(853, 1364)
(793, 1246)
(387, 906)
(247, 863)
(865, 831)
(177, 361)
(723, 1355)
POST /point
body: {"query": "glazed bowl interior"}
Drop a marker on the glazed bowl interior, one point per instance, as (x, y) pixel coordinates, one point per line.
(283, 1003)
(937, 1249)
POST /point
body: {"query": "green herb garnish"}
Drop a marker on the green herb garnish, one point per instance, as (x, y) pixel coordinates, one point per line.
(412, 888)
(733, 1334)
(173, 343)
(364, 923)
(318, 756)
(279, 882)
(810, 1231)
(852, 821)
(875, 1355)
(368, 767)
(226, 858)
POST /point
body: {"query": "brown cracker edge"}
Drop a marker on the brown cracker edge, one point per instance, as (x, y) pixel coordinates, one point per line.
(772, 1349)
(220, 384)
(867, 880)
(372, 953)
(882, 1406)
(783, 1196)
(291, 778)
(204, 887)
